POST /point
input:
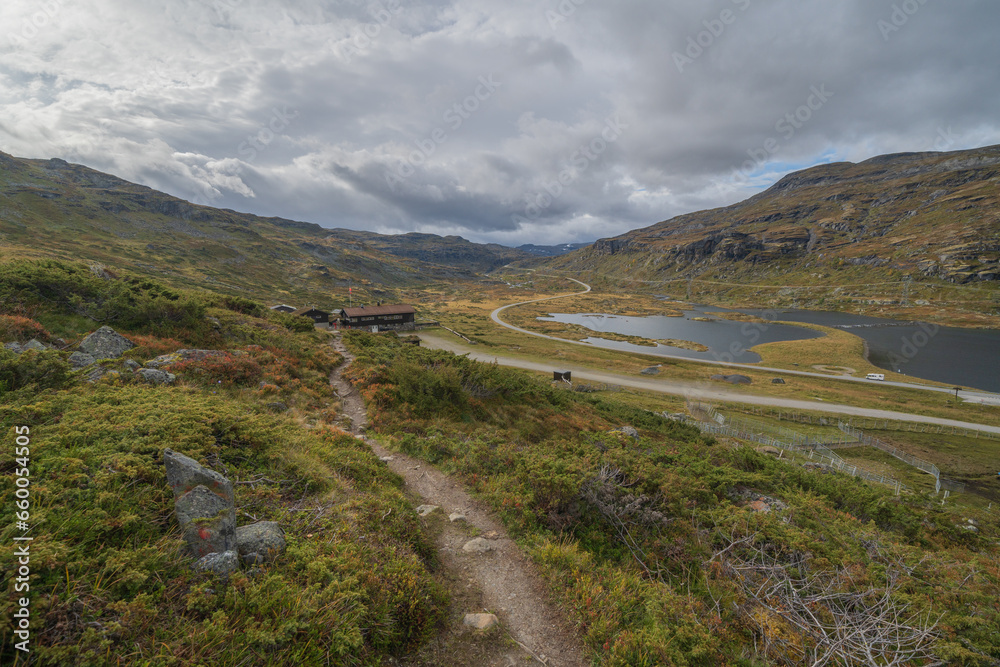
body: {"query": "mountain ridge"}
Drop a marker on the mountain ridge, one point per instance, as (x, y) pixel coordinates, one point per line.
(52, 208)
(935, 215)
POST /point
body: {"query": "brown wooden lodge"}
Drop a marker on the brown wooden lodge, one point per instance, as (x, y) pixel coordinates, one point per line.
(397, 317)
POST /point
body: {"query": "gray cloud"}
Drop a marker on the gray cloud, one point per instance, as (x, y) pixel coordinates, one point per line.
(374, 114)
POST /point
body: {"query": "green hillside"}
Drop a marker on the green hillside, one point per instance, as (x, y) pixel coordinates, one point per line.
(60, 210)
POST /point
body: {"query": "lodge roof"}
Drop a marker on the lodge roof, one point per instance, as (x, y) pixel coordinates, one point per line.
(361, 311)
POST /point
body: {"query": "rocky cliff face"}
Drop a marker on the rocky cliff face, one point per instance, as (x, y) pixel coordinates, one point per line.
(930, 214)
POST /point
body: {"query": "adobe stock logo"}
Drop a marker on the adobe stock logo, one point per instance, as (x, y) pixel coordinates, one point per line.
(901, 15)
(699, 44)
(455, 116)
(787, 127)
(580, 162)
(280, 120)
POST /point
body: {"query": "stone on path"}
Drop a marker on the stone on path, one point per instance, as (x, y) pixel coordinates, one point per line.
(477, 546)
(481, 621)
(456, 516)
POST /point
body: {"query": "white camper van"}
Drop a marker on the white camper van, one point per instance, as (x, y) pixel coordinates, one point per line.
(876, 376)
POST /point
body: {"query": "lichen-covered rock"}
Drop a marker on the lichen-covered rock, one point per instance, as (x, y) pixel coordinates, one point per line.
(14, 347)
(184, 474)
(81, 360)
(132, 365)
(264, 538)
(209, 522)
(106, 343)
(156, 376)
(34, 345)
(203, 503)
(222, 564)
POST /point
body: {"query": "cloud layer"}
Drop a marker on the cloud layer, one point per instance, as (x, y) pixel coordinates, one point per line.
(498, 120)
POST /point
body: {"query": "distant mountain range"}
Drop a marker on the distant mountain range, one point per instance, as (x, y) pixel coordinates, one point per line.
(50, 208)
(552, 250)
(934, 215)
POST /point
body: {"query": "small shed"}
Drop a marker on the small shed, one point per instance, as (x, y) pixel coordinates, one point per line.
(284, 308)
(315, 314)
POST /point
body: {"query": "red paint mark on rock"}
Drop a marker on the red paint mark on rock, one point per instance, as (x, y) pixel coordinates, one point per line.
(204, 534)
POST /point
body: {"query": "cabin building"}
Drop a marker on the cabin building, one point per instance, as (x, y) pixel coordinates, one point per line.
(319, 317)
(284, 308)
(379, 318)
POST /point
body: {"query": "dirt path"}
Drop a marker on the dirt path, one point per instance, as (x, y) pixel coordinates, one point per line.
(504, 579)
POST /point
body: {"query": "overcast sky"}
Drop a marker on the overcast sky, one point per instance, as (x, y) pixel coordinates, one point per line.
(511, 121)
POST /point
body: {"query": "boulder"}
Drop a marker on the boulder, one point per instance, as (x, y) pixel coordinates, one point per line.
(652, 370)
(477, 546)
(627, 430)
(260, 542)
(209, 522)
(732, 379)
(456, 516)
(106, 343)
(777, 381)
(184, 474)
(203, 503)
(222, 564)
(14, 347)
(156, 376)
(132, 365)
(481, 621)
(277, 406)
(81, 360)
(34, 345)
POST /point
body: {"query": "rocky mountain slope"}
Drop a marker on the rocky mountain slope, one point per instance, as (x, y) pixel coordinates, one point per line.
(934, 215)
(50, 208)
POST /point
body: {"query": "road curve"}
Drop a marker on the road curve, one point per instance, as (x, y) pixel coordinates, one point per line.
(968, 396)
(693, 390)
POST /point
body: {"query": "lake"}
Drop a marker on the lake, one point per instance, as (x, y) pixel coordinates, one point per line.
(967, 357)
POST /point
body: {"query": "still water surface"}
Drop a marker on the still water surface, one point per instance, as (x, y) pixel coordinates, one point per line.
(967, 357)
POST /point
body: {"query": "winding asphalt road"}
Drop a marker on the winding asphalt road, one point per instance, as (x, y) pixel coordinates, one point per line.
(984, 398)
(692, 390)
(698, 390)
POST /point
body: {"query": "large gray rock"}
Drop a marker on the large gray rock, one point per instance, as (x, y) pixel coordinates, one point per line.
(260, 542)
(209, 522)
(184, 474)
(81, 360)
(222, 564)
(732, 379)
(34, 345)
(106, 343)
(156, 376)
(203, 503)
(14, 347)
